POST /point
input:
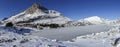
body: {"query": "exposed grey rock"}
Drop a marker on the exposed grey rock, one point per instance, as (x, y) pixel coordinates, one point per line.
(35, 7)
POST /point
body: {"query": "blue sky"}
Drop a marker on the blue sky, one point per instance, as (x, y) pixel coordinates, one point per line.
(74, 9)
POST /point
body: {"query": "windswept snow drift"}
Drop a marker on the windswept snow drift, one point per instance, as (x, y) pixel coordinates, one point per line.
(10, 39)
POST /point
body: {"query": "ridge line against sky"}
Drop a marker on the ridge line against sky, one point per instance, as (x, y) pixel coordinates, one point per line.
(74, 9)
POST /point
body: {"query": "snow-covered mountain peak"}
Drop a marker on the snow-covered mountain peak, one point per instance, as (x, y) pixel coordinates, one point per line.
(95, 20)
(38, 14)
(94, 17)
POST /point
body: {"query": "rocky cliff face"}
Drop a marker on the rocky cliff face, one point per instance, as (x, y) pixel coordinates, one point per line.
(35, 7)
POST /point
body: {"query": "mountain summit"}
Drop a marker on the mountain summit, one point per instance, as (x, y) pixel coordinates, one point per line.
(35, 7)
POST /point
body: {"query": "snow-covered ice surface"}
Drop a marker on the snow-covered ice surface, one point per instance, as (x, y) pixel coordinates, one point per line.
(68, 33)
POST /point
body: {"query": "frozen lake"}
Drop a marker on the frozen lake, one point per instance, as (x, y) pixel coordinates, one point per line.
(69, 33)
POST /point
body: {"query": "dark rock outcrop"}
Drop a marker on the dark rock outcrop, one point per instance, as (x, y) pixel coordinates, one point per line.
(35, 7)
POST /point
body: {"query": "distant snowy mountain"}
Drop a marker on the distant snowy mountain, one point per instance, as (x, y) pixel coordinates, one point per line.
(94, 20)
(37, 14)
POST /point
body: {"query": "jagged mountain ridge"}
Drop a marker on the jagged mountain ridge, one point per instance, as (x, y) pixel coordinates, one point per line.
(37, 14)
(35, 7)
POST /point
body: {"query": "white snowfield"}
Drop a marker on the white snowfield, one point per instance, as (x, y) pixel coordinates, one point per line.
(69, 33)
